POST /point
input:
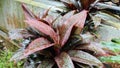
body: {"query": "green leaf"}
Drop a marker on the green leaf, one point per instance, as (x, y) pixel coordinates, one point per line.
(110, 59)
(116, 40)
(4, 61)
(85, 58)
(64, 61)
(111, 47)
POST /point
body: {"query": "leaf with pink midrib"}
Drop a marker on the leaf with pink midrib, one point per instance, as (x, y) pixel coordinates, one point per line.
(28, 13)
(44, 28)
(66, 28)
(85, 58)
(82, 18)
(37, 45)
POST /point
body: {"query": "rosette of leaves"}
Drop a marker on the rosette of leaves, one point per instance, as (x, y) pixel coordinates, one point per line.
(48, 43)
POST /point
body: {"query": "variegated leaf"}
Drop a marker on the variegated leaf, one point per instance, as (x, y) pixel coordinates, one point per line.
(64, 61)
(85, 58)
(65, 29)
(44, 28)
(95, 47)
(37, 45)
(28, 13)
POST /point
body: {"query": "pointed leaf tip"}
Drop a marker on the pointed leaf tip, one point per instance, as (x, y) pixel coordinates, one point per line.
(28, 13)
(44, 28)
(82, 18)
(75, 20)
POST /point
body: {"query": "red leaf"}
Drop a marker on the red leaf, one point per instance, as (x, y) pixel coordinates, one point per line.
(82, 19)
(28, 13)
(60, 21)
(95, 47)
(66, 16)
(36, 45)
(49, 19)
(45, 14)
(85, 58)
(67, 26)
(64, 61)
(46, 17)
(43, 28)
